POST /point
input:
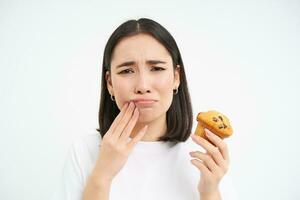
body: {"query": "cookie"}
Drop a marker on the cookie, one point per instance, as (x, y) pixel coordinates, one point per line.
(214, 121)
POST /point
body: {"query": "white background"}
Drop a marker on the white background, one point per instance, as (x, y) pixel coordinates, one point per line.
(241, 58)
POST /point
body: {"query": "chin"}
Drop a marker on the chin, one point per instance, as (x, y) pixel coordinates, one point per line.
(145, 120)
(147, 117)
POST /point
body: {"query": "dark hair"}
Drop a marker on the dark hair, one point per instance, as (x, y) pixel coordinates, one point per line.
(180, 115)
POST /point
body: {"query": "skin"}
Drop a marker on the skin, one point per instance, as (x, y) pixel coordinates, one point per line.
(135, 122)
(142, 80)
(213, 164)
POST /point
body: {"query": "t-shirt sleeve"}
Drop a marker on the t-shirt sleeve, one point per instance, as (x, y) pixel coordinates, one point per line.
(70, 186)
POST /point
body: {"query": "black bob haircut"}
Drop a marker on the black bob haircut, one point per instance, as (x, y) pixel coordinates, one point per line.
(179, 115)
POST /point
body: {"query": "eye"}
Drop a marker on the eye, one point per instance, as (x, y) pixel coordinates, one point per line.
(126, 71)
(157, 68)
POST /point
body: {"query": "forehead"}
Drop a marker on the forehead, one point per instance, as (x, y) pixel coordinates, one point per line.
(138, 48)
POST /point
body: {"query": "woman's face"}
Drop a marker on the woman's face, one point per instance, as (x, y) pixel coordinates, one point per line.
(141, 68)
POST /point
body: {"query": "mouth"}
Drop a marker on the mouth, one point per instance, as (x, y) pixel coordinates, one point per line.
(144, 103)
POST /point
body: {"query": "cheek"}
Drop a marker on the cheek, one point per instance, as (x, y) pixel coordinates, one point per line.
(165, 88)
(122, 90)
(165, 83)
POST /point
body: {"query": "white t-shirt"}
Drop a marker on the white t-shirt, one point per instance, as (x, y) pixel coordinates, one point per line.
(154, 170)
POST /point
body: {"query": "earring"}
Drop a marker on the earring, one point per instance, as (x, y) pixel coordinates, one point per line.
(175, 91)
(112, 97)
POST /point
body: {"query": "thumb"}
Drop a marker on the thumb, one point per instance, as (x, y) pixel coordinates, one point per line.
(138, 137)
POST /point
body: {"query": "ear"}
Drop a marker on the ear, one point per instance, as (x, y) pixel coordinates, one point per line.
(109, 83)
(177, 76)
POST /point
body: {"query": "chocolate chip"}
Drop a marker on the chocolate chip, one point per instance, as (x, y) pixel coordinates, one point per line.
(221, 126)
(215, 119)
(220, 118)
(225, 126)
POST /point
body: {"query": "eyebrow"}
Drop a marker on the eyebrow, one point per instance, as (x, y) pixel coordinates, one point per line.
(150, 62)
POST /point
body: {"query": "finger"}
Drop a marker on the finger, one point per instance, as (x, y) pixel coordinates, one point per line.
(211, 149)
(128, 129)
(117, 119)
(138, 137)
(207, 159)
(219, 143)
(201, 166)
(123, 122)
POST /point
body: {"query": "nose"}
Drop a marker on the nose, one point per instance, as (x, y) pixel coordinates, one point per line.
(142, 84)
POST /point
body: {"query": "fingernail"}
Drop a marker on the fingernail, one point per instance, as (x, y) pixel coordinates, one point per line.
(125, 105)
(207, 132)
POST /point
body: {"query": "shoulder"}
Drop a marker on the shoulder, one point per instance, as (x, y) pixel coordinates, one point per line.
(87, 141)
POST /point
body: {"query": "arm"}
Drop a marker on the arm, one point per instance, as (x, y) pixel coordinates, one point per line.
(96, 190)
(212, 196)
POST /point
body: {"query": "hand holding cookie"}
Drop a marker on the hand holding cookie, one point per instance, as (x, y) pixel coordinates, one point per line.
(214, 163)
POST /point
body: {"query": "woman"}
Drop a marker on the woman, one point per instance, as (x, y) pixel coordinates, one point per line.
(145, 119)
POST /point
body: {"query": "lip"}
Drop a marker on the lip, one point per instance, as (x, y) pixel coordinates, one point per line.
(144, 102)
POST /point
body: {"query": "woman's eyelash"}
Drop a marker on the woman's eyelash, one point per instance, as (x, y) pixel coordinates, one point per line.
(126, 71)
(158, 68)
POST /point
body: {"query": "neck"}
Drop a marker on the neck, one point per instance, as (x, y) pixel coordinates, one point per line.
(156, 128)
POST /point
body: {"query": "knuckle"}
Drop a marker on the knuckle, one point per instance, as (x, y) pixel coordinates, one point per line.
(214, 151)
(206, 157)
